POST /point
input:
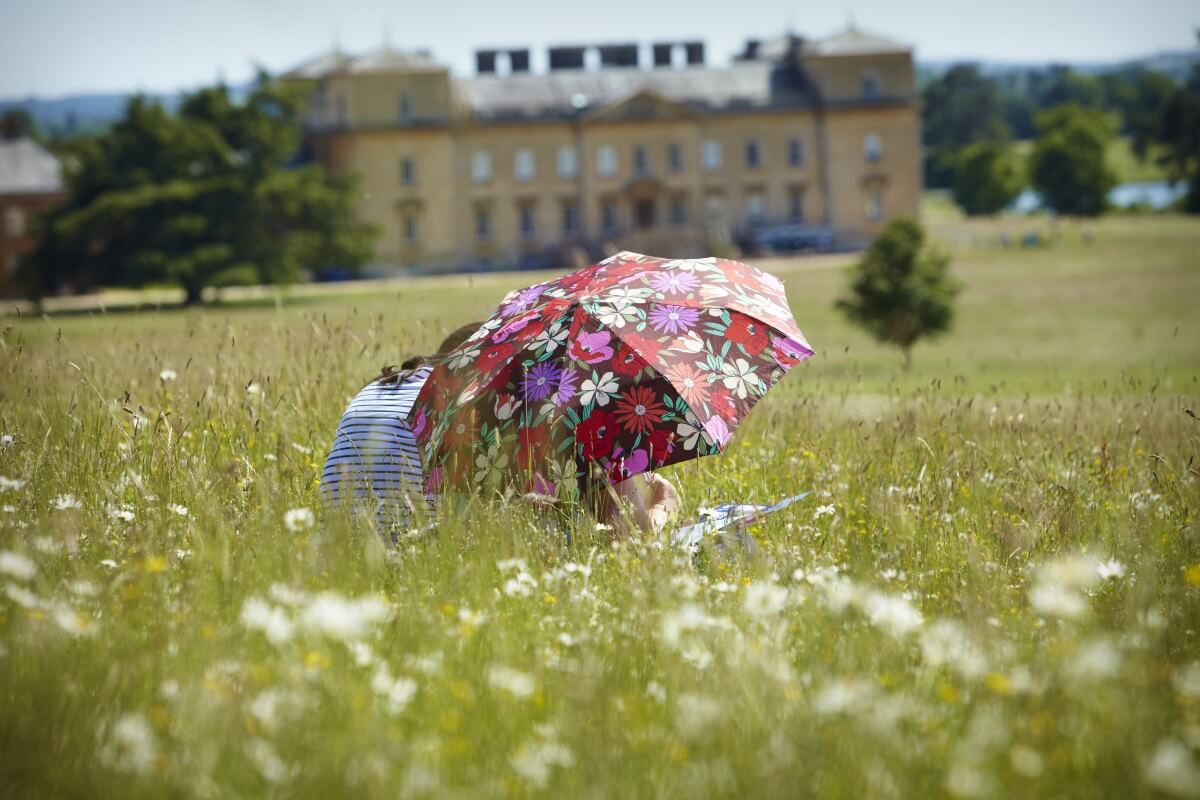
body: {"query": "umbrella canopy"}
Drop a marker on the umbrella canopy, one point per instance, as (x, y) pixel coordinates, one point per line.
(633, 363)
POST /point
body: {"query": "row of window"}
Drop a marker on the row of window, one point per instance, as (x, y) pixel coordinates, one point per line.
(607, 164)
(643, 214)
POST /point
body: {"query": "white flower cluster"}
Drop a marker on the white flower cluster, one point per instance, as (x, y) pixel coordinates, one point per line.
(326, 614)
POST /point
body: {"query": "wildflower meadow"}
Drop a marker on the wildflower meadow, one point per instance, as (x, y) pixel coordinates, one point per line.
(993, 591)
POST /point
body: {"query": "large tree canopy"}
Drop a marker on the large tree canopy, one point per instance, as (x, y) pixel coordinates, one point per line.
(987, 178)
(210, 195)
(1068, 166)
(959, 108)
(1176, 130)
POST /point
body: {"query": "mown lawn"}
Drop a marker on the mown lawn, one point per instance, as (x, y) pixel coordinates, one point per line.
(994, 592)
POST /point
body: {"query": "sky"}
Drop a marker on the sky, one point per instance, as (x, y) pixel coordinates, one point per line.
(50, 48)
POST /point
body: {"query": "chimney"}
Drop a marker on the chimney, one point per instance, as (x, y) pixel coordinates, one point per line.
(485, 62)
(618, 55)
(518, 60)
(695, 53)
(566, 58)
(662, 53)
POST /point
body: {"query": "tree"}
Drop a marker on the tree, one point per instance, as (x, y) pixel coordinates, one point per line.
(901, 289)
(211, 195)
(1068, 167)
(987, 178)
(957, 109)
(18, 122)
(1177, 131)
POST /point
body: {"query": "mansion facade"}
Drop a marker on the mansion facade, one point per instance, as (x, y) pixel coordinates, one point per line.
(814, 136)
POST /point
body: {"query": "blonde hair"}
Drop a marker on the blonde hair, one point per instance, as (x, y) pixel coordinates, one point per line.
(396, 374)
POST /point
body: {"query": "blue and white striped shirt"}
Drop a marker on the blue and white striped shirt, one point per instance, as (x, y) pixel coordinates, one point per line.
(375, 458)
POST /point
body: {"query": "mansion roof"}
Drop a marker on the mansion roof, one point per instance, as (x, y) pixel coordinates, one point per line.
(28, 168)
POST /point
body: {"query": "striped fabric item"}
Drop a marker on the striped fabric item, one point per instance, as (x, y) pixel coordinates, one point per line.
(374, 459)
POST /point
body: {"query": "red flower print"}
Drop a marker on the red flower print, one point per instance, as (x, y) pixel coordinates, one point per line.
(646, 348)
(597, 434)
(531, 444)
(723, 404)
(627, 362)
(493, 356)
(747, 332)
(639, 410)
(661, 443)
(515, 325)
(692, 384)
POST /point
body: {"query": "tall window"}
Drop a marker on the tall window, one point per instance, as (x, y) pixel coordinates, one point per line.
(870, 84)
(756, 206)
(640, 164)
(714, 209)
(874, 204)
(528, 220)
(14, 221)
(608, 214)
(675, 157)
(679, 209)
(343, 113)
(410, 227)
(753, 156)
(570, 218)
(523, 165)
(483, 223)
(405, 107)
(408, 172)
(481, 166)
(606, 161)
(796, 204)
(568, 162)
(795, 152)
(873, 147)
(711, 154)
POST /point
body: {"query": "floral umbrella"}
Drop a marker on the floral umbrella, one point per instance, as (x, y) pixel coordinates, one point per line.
(633, 363)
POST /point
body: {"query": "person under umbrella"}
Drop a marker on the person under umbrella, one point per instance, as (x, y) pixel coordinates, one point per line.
(610, 372)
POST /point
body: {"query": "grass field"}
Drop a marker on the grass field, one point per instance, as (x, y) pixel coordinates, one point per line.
(994, 593)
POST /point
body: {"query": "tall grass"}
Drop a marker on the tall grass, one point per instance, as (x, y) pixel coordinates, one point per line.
(995, 591)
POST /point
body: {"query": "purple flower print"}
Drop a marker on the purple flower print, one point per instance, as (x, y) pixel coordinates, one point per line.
(541, 381)
(673, 319)
(566, 387)
(788, 352)
(524, 300)
(674, 282)
(636, 462)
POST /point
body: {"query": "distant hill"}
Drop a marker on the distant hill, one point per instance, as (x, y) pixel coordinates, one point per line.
(1176, 63)
(77, 113)
(81, 112)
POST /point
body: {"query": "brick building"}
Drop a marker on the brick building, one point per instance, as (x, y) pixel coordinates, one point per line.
(30, 183)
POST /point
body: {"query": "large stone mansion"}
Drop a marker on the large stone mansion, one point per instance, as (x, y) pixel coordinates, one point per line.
(813, 137)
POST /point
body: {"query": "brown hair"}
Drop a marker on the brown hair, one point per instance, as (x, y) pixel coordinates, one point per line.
(396, 374)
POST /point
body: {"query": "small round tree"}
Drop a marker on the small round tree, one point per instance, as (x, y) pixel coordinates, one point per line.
(987, 180)
(901, 290)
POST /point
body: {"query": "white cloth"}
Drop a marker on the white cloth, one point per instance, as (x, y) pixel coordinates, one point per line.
(375, 459)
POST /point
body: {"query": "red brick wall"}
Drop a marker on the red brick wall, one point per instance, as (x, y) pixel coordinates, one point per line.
(14, 244)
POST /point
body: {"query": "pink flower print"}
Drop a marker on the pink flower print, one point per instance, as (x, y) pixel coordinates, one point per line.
(592, 348)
